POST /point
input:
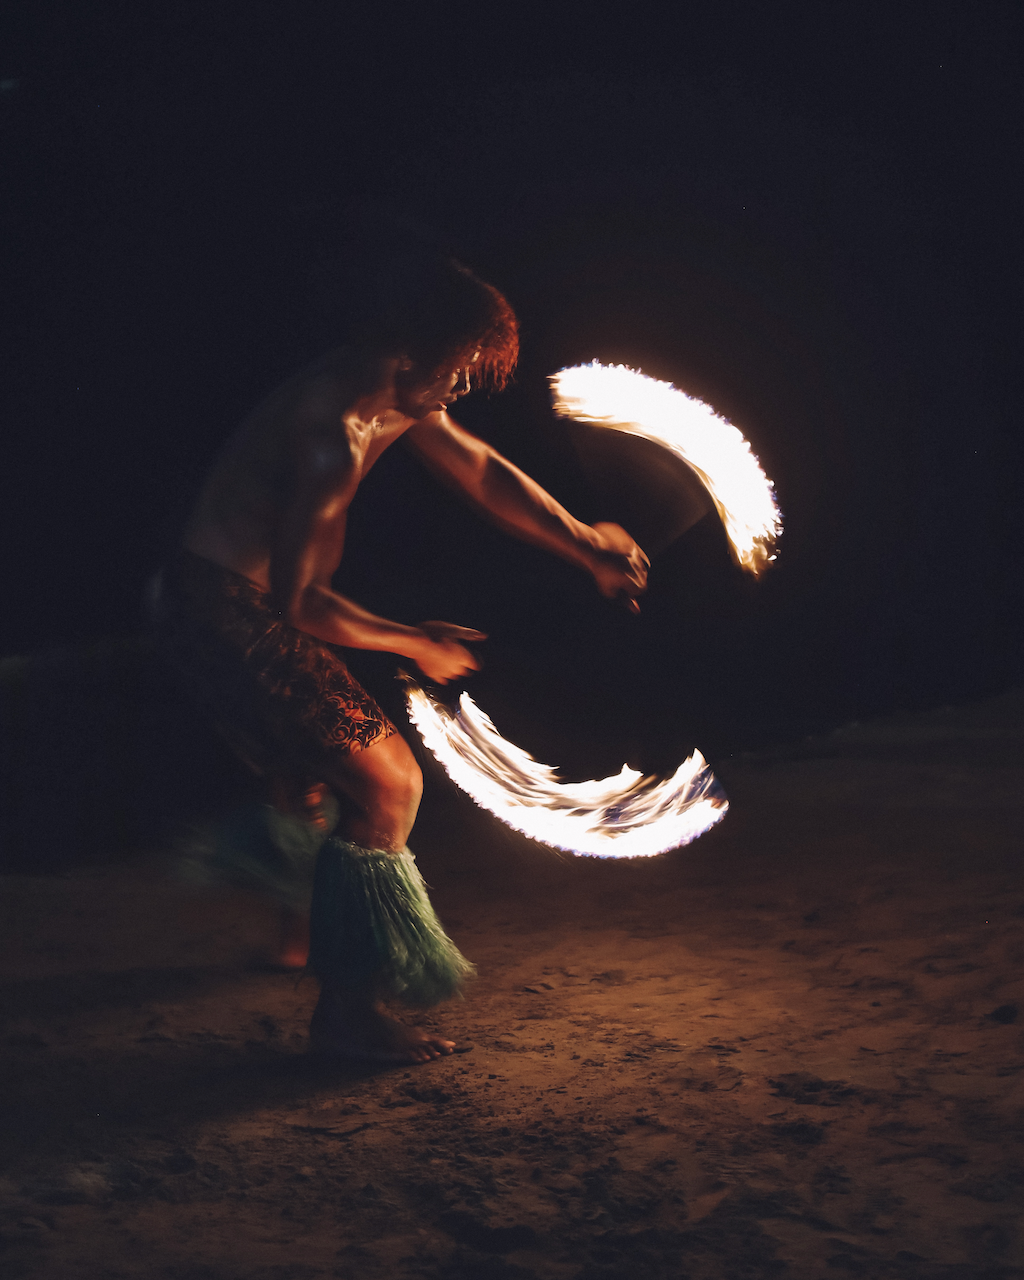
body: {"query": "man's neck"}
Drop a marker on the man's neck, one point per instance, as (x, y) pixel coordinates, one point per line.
(372, 378)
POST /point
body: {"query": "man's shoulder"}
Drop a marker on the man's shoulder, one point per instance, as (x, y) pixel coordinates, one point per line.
(320, 403)
(305, 415)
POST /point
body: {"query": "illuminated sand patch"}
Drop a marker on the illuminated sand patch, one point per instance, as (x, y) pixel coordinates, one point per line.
(625, 816)
(626, 400)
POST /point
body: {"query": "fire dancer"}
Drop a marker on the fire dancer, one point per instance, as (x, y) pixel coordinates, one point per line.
(247, 615)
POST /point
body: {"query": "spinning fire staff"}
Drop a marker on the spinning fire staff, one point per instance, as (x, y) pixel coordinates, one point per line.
(626, 816)
(246, 614)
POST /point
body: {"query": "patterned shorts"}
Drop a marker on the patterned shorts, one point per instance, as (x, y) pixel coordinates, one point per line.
(285, 700)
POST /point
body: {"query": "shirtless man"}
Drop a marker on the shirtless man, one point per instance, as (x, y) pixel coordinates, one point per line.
(268, 532)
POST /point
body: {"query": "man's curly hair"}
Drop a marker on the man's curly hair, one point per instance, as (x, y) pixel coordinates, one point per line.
(422, 304)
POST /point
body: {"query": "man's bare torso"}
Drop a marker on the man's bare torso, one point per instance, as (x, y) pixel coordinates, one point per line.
(253, 479)
(275, 503)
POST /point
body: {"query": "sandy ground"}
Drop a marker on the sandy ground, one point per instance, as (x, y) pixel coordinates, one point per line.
(793, 1049)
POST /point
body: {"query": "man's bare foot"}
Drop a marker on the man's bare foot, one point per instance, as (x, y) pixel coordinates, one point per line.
(350, 1025)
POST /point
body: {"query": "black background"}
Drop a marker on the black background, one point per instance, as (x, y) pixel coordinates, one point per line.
(806, 214)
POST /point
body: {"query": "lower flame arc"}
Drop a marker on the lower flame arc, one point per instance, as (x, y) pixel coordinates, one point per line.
(628, 815)
(624, 816)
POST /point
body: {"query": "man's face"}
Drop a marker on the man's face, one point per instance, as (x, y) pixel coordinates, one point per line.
(418, 396)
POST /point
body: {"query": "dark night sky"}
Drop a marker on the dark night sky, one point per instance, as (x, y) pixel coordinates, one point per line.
(807, 214)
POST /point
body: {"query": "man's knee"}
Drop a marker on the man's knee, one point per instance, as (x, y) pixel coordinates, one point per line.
(406, 781)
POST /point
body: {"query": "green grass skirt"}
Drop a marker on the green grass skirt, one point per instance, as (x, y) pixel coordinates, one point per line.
(372, 925)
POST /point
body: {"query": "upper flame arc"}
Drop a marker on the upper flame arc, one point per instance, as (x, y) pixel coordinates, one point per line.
(627, 400)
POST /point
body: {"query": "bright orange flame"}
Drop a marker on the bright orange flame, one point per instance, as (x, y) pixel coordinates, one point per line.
(625, 816)
(627, 400)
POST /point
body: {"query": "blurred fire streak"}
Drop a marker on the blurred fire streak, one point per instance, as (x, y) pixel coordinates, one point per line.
(626, 400)
(625, 816)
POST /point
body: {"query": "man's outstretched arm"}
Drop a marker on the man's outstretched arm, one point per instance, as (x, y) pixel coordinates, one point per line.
(510, 499)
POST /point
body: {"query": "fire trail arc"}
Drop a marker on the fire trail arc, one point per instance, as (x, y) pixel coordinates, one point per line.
(627, 815)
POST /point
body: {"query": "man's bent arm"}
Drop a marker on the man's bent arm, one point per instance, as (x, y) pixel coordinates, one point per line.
(307, 551)
(437, 648)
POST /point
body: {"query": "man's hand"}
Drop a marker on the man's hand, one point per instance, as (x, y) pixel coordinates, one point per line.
(444, 656)
(619, 567)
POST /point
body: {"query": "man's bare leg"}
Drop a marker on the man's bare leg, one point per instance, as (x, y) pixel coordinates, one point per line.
(293, 944)
(385, 783)
(306, 801)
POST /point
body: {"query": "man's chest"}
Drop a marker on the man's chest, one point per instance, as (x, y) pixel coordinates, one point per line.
(383, 433)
